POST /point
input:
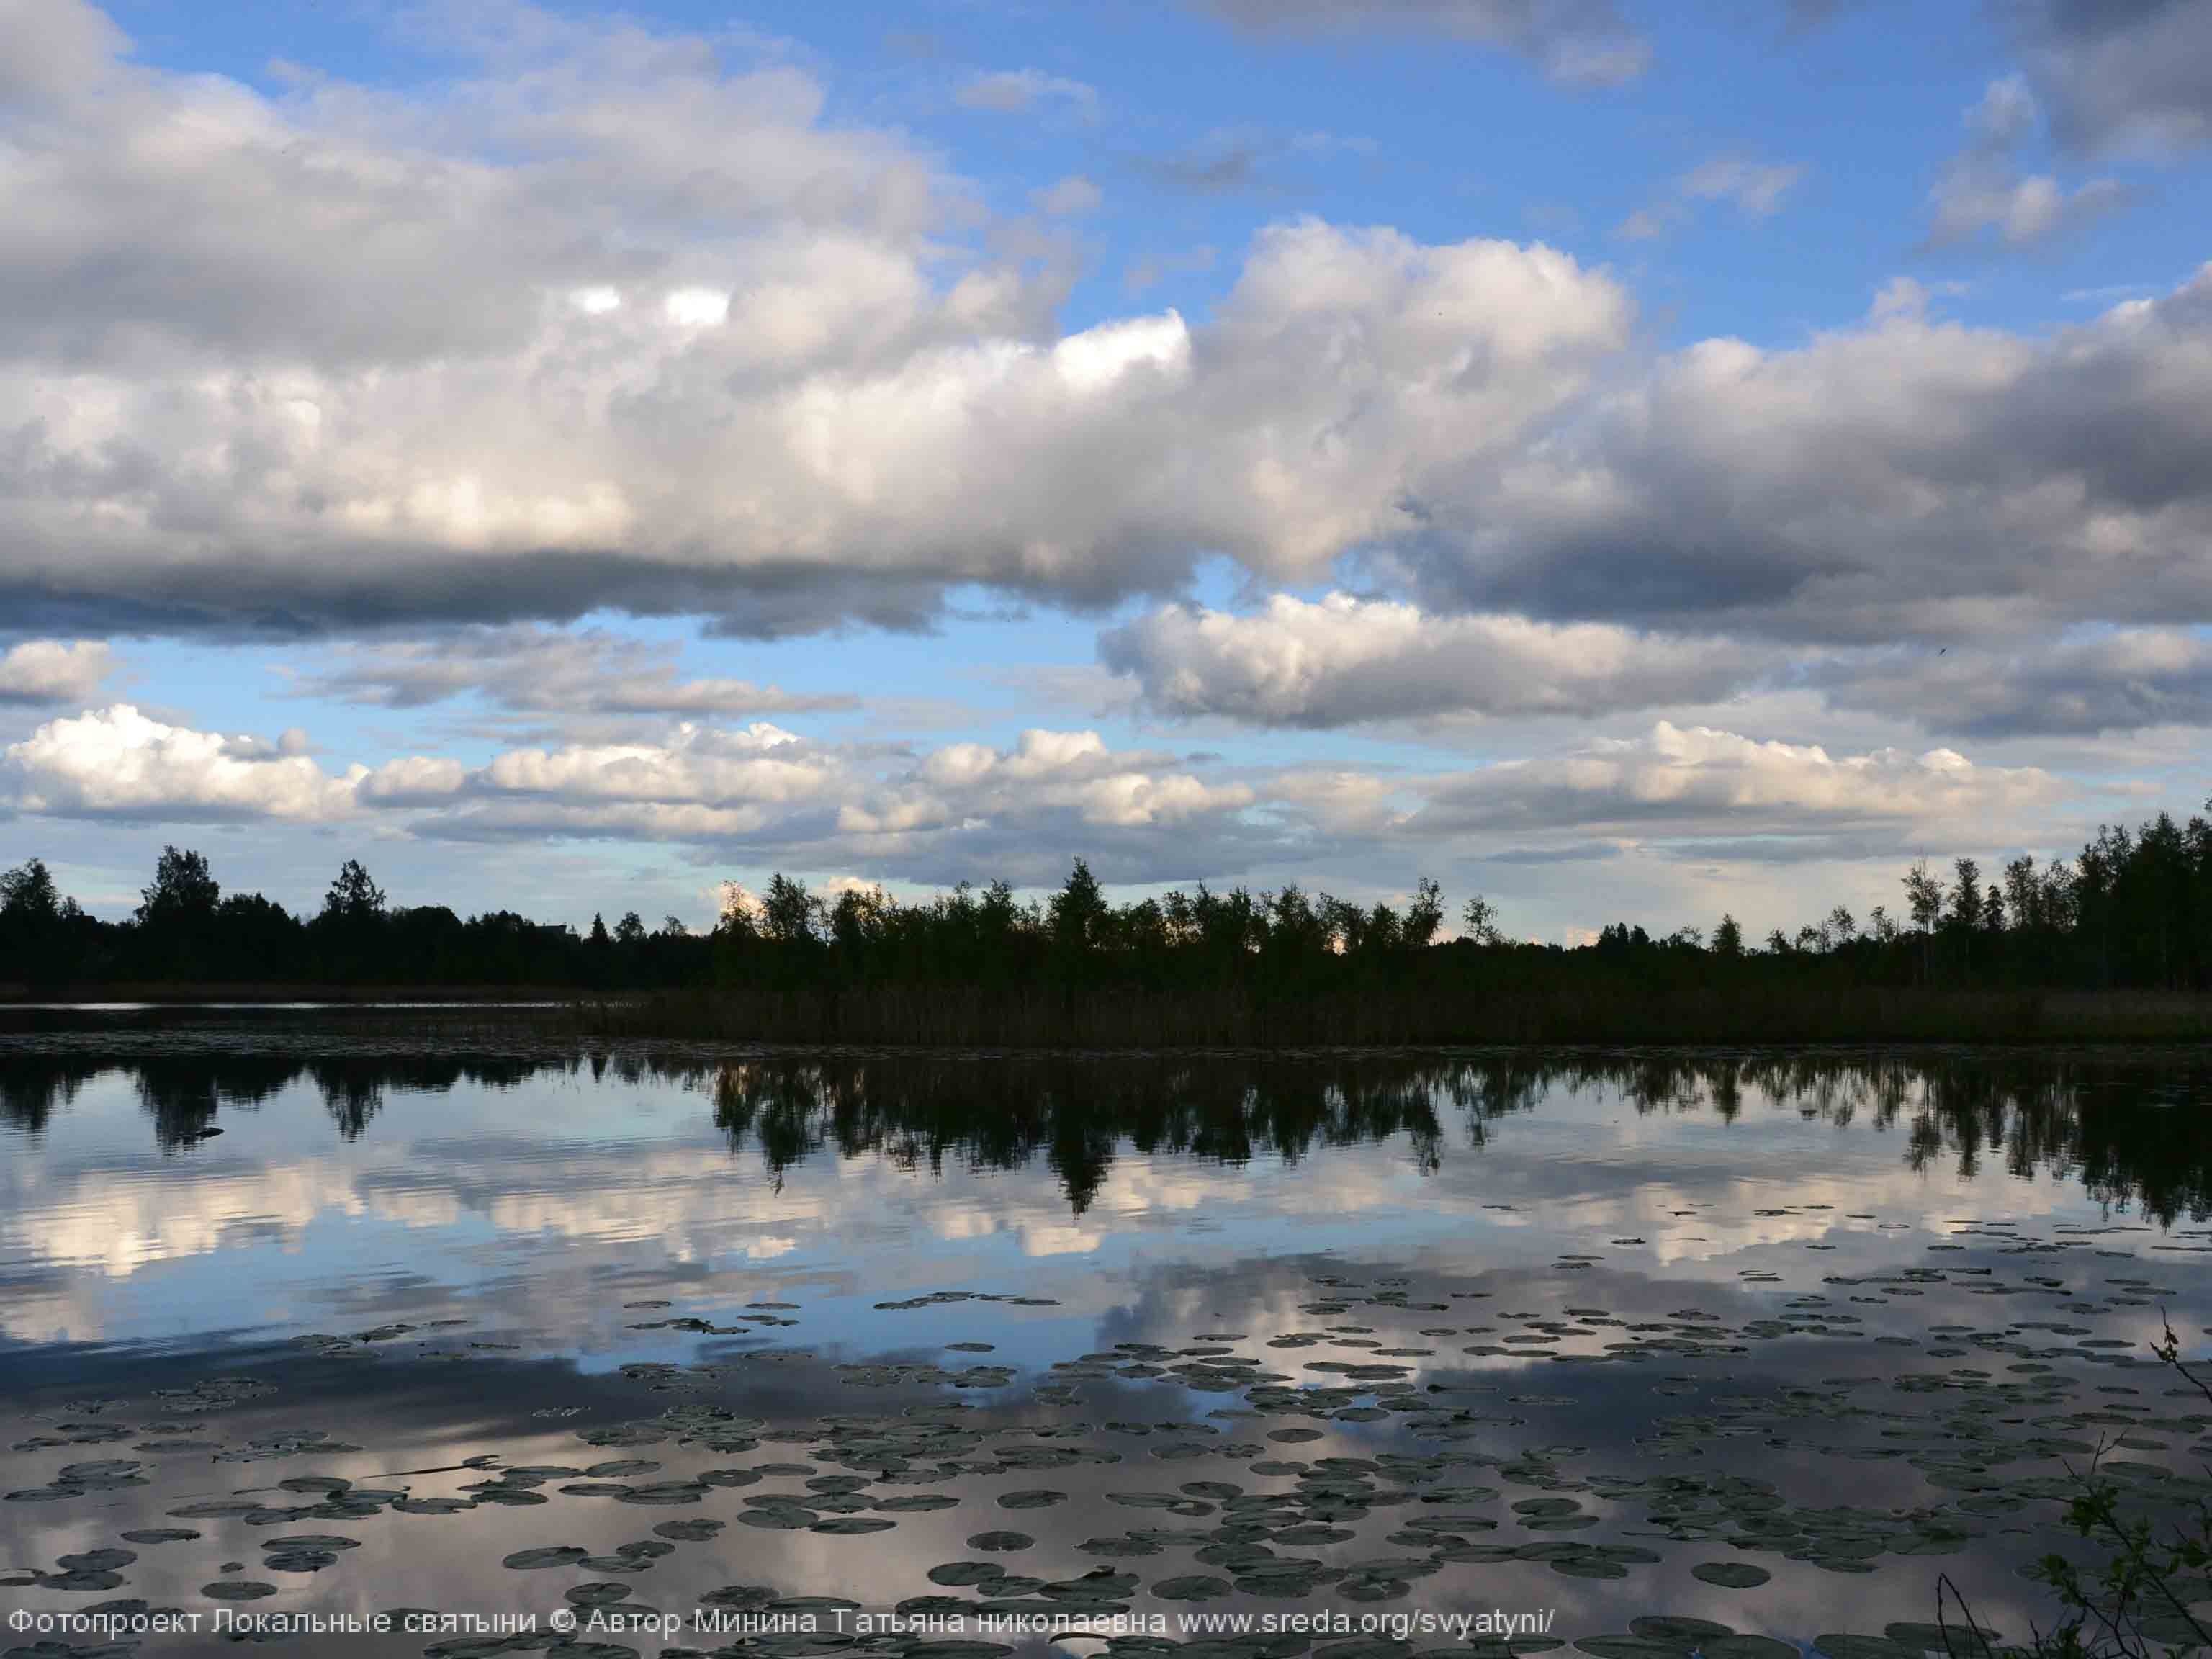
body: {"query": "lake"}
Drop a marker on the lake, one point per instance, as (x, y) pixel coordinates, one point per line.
(1650, 1352)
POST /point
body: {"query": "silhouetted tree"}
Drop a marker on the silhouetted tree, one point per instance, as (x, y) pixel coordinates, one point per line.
(176, 917)
(183, 890)
(1923, 896)
(42, 933)
(351, 934)
(789, 914)
(1078, 911)
(28, 897)
(353, 895)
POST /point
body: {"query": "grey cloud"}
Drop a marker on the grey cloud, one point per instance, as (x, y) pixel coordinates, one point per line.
(1982, 190)
(1580, 852)
(1910, 480)
(2120, 73)
(2121, 681)
(1344, 660)
(1068, 197)
(538, 670)
(1755, 188)
(1575, 42)
(1016, 91)
(1806, 846)
(1234, 160)
(1216, 167)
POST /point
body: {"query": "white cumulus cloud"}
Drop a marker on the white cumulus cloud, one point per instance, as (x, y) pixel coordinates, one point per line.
(54, 671)
(120, 762)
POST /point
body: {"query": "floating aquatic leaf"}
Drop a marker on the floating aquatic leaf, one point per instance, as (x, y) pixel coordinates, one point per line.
(80, 1580)
(667, 1492)
(690, 1532)
(955, 1574)
(298, 1560)
(1730, 1575)
(544, 1555)
(741, 1598)
(599, 1593)
(1586, 1566)
(779, 1519)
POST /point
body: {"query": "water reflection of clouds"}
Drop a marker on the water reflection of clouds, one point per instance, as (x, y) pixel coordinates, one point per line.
(875, 1187)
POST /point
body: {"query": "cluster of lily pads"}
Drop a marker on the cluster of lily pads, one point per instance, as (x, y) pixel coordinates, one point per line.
(1444, 1474)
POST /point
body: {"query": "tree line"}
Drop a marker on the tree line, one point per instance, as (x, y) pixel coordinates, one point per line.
(2133, 909)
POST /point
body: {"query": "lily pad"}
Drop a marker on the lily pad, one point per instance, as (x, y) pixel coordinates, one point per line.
(545, 1555)
(237, 1589)
(1192, 1587)
(957, 1574)
(1730, 1575)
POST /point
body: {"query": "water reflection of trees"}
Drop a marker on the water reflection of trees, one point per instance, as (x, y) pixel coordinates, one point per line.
(2133, 1130)
(1076, 1113)
(185, 1093)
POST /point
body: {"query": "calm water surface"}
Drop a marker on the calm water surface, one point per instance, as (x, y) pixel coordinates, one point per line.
(290, 1322)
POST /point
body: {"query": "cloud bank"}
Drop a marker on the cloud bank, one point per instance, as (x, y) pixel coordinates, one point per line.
(968, 811)
(344, 359)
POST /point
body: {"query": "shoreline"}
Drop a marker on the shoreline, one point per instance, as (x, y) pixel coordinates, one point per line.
(1125, 1019)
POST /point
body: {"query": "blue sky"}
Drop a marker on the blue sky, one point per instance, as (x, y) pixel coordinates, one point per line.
(1636, 461)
